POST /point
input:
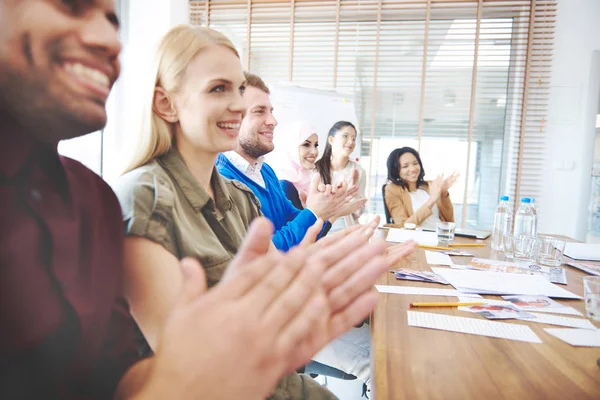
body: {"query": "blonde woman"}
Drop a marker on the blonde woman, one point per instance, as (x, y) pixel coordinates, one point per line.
(176, 205)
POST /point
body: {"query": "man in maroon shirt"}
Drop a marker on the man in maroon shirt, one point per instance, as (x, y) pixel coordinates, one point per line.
(64, 333)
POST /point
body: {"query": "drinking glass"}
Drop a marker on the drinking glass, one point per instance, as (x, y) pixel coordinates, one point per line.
(525, 248)
(591, 291)
(551, 251)
(445, 232)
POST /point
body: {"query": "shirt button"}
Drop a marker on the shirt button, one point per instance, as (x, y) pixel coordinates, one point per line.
(35, 194)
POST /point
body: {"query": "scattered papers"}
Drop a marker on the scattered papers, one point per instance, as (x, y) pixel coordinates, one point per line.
(472, 326)
(590, 268)
(491, 311)
(421, 237)
(576, 337)
(457, 253)
(487, 301)
(583, 251)
(540, 304)
(554, 275)
(561, 321)
(468, 281)
(436, 258)
(422, 276)
(422, 291)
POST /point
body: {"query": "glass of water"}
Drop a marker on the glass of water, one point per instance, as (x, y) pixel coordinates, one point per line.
(591, 291)
(445, 232)
(551, 251)
(525, 248)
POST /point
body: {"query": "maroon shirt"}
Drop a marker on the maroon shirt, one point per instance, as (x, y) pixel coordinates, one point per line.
(64, 332)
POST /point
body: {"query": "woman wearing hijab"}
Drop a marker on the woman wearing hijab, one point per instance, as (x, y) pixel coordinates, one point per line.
(298, 151)
(301, 148)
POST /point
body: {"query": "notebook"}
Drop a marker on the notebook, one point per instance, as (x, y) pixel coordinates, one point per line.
(583, 251)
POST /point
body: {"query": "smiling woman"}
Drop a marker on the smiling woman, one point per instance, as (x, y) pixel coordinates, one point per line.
(175, 204)
(335, 166)
(410, 198)
(297, 155)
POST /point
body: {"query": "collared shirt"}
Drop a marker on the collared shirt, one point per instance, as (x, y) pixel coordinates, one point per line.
(66, 333)
(252, 171)
(163, 202)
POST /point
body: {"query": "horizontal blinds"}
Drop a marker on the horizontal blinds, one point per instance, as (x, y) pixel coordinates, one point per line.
(465, 81)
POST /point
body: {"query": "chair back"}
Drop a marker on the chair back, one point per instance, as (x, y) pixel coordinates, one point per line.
(388, 218)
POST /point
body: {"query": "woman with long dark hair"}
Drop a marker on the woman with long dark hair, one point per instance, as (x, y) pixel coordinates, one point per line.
(410, 198)
(335, 166)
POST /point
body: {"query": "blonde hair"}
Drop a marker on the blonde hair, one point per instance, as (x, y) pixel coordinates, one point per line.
(175, 52)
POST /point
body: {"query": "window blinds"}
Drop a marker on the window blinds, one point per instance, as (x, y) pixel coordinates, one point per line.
(466, 82)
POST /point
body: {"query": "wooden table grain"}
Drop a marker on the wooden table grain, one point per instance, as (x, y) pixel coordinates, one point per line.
(418, 363)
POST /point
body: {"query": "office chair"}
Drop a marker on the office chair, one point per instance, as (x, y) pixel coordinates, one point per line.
(314, 368)
(388, 218)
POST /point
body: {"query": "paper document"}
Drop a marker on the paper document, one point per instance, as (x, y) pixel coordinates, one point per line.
(486, 301)
(561, 321)
(468, 281)
(422, 291)
(540, 304)
(590, 268)
(436, 258)
(472, 326)
(583, 251)
(490, 311)
(423, 276)
(553, 274)
(421, 237)
(576, 337)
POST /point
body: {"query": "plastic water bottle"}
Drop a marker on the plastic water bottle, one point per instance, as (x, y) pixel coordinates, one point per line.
(526, 219)
(535, 220)
(502, 224)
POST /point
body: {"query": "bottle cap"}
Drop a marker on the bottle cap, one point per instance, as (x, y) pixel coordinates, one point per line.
(525, 200)
(504, 198)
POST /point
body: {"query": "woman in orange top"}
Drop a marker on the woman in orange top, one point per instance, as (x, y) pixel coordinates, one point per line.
(411, 199)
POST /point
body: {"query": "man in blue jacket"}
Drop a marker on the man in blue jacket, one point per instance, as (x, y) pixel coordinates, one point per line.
(246, 165)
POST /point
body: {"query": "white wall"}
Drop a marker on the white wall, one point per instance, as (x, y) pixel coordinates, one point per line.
(143, 23)
(571, 119)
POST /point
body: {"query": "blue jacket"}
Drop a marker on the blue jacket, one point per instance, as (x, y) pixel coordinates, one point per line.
(290, 223)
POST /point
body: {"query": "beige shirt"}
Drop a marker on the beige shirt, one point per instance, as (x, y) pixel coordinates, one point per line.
(163, 202)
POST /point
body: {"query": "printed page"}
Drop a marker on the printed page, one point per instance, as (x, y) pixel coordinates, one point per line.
(470, 281)
(540, 304)
(422, 291)
(576, 337)
(421, 237)
(472, 326)
(561, 321)
(435, 258)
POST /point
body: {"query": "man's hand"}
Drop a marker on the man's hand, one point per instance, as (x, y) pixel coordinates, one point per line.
(324, 200)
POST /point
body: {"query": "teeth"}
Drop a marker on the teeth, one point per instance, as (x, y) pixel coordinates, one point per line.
(97, 77)
(228, 125)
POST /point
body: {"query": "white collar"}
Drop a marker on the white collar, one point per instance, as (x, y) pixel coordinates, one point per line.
(242, 164)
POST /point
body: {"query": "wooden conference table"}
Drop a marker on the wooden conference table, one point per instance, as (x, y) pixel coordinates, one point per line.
(419, 363)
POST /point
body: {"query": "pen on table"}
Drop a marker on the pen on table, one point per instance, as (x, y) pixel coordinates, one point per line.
(459, 304)
(426, 247)
(467, 245)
